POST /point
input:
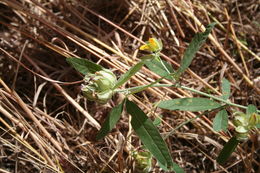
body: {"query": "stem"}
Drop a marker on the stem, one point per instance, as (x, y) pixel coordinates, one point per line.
(140, 87)
(190, 120)
(213, 97)
(180, 125)
(166, 69)
(163, 65)
(186, 88)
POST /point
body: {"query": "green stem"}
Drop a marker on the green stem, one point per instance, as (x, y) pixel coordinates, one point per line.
(180, 125)
(186, 88)
(169, 73)
(163, 65)
(213, 97)
(190, 120)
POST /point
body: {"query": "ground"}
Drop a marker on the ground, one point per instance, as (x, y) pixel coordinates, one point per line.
(48, 126)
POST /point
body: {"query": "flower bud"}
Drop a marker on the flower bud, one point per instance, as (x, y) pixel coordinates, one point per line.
(99, 86)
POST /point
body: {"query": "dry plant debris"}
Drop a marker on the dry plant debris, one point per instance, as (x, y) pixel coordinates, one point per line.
(46, 124)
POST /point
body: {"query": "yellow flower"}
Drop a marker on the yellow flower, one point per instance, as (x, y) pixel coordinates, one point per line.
(152, 45)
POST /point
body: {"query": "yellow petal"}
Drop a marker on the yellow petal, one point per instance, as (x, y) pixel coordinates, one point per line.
(144, 47)
(153, 42)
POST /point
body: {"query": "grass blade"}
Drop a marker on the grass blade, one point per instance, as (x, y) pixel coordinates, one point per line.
(149, 134)
(189, 104)
(220, 122)
(84, 66)
(111, 121)
(193, 47)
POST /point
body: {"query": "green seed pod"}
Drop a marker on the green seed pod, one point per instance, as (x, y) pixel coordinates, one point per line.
(89, 92)
(242, 136)
(105, 79)
(242, 133)
(99, 86)
(244, 123)
(100, 97)
(143, 161)
(254, 119)
(240, 119)
(104, 97)
(241, 129)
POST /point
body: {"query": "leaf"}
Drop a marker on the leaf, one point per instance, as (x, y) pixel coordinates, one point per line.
(125, 77)
(176, 168)
(148, 57)
(193, 47)
(157, 121)
(189, 104)
(225, 89)
(84, 66)
(227, 150)
(149, 134)
(220, 122)
(157, 67)
(251, 109)
(111, 121)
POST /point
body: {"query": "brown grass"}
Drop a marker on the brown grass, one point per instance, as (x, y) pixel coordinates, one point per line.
(46, 124)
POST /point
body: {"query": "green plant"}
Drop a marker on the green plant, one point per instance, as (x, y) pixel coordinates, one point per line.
(244, 122)
(101, 84)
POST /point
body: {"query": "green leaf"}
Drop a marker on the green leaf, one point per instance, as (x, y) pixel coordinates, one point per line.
(84, 66)
(177, 169)
(148, 57)
(157, 121)
(125, 77)
(157, 67)
(193, 47)
(227, 150)
(220, 122)
(111, 121)
(225, 89)
(251, 109)
(149, 134)
(189, 104)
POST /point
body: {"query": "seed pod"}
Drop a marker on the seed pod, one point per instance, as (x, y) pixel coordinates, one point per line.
(244, 123)
(105, 96)
(242, 133)
(99, 86)
(252, 120)
(105, 79)
(240, 119)
(89, 92)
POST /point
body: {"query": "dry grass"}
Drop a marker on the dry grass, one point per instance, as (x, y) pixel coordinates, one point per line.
(46, 124)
